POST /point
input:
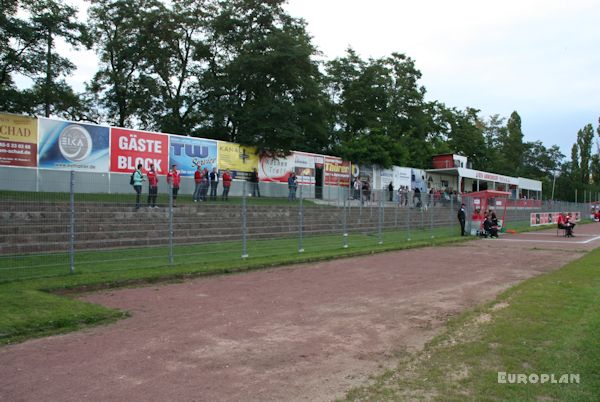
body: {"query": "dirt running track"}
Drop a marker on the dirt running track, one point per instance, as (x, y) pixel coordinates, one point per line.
(308, 332)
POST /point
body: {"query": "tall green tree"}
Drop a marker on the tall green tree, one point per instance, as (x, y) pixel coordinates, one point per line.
(124, 89)
(595, 163)
(380, 102)
(28, 34)
(575, 172)
(360, 92)
(466, 136)
(18, 42)
(585, 139)
(265, 84)
(53, 20)
(177, 57)
(512, 146)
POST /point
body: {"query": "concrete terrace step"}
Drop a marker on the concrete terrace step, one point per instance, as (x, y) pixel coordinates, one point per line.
(44, 227)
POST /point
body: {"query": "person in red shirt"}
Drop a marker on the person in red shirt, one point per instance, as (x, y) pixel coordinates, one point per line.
(198, 181)
(174, 180)
(152, 187)
(226, 185)
(563, 223)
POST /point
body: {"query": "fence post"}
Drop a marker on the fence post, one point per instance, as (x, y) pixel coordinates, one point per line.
(345, 223)
(300, 222)
(451, 215)
(380, 218)
(431, 209)
(244, 223)
(72, 222)
(170, 222)
(408, 217)
(361, 199)
(396, 206)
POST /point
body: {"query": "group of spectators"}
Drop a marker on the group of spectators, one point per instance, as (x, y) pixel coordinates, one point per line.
(137, 178)
(362, 190)
(489, 224)
(204, 180)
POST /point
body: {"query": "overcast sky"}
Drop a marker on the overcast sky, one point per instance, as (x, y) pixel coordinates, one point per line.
(540, 58)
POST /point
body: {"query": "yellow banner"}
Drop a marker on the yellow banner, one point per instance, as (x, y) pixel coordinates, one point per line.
(16, 128)
(236, 157)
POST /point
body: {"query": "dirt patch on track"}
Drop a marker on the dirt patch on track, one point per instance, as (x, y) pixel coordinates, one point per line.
(308, 332)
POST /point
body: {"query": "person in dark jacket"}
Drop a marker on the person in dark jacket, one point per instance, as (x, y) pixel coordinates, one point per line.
(292, 186)
(489, 227)
(204, 184)
(462, 219)
(254, 180)
(214, 183)
(391, 191)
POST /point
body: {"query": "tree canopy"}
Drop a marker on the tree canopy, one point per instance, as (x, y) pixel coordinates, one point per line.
(247, 71)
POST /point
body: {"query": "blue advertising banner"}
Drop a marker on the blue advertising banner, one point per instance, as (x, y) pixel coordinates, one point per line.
(188, 153)
(66, 145)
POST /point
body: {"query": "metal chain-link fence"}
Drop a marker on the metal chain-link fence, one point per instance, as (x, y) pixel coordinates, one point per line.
(71, 230)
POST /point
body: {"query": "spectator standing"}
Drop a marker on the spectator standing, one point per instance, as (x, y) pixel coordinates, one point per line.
(367, 189)
(255, 180)
(357, 188)
(198, 183)
(417, 198)
(391, 191)
(138, 178)
(204, 184)
(152, 187)
(462, 219)
(214, 183)
(404, 195)
(292, 186)
(226, 185)
(174, 180)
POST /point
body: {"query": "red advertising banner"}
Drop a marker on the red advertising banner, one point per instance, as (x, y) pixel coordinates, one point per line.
(337, 172)
(130, 147)
(549, 218)
(18, 140)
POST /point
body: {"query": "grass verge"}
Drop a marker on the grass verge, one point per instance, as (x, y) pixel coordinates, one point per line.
(546, 325)
(30, 306)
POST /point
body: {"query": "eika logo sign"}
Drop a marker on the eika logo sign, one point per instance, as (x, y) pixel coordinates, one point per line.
(191, 150)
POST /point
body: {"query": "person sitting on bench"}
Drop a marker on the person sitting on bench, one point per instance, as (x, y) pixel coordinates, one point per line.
(564, 225)
(571, 224)
(489, 228)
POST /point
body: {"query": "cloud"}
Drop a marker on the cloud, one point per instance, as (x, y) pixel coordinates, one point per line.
(537, 57)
